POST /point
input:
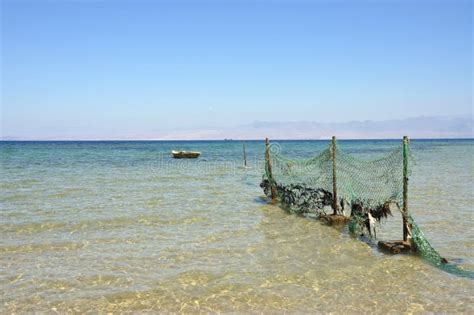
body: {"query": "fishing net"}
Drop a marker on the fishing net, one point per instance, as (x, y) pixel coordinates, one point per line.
(368, 188)
(427, 251)
(423, 246)
(365, 184)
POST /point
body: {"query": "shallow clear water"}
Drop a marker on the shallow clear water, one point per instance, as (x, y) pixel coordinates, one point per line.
(120, 226)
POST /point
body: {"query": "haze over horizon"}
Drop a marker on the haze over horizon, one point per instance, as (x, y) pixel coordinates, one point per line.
(163, 69)
(416, 127)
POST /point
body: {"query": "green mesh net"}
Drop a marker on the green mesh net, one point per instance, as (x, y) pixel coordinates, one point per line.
(369, 189)
(373, 182)
(426, 250)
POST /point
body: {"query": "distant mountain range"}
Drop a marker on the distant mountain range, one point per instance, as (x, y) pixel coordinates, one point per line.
(417, 127)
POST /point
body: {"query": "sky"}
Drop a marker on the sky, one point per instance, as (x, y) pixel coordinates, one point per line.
(103, 68)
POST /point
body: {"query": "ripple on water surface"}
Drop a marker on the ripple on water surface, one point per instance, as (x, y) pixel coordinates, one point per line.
(115, 227)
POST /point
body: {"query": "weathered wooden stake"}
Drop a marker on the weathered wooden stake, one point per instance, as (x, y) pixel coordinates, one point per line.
(405, 188)
(269, 168)
(395, 247)
(334, 183)
(245, 154)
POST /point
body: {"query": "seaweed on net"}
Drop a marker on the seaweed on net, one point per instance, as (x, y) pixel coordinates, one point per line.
(299, 198)
(364, 216)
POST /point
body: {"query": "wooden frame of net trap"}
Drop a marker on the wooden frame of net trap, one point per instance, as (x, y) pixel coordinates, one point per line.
(337, 218)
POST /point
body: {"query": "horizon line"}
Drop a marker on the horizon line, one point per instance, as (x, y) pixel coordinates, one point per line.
(225, 140)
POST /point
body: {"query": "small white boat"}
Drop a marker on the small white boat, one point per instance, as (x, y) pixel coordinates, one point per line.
(185, 154)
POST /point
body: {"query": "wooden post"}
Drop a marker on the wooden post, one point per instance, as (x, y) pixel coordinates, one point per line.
(268, 161)
(405, 188)
(334, 183)
(245, 154)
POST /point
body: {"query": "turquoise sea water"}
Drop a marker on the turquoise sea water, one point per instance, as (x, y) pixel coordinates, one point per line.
(121, 226)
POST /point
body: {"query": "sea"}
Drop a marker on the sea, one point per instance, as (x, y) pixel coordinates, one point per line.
(121, 226)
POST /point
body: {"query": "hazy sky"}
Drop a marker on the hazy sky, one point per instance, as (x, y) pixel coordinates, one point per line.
(82, 67)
